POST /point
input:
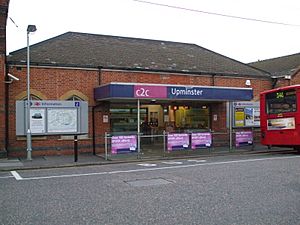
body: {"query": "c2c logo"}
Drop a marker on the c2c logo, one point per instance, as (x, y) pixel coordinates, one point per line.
(142, 92)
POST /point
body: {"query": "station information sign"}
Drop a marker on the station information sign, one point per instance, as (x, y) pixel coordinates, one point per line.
(52, 117)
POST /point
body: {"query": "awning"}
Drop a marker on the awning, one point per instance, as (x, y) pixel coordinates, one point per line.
(170, 92)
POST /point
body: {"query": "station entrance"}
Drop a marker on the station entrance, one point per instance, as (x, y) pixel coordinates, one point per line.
(155, 119)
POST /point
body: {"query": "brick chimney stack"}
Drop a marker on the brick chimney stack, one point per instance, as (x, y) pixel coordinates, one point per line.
(3, 18)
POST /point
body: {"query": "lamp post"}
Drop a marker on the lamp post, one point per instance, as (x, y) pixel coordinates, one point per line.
(30, 29)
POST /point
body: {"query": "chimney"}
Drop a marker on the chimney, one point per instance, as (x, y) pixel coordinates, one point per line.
(3, 18)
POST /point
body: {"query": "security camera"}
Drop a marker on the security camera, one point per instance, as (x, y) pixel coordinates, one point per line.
(13, 77)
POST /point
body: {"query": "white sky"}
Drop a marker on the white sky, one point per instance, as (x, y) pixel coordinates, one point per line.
(246, 41)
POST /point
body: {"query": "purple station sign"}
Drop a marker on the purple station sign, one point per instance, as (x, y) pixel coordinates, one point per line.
(123, 144)
(201, 140)
(160, 91)
(178, 141)
(243, 138)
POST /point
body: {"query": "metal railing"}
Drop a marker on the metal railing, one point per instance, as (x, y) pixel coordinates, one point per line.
(141, 145)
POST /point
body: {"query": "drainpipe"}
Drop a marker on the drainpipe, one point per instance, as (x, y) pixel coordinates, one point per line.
(212, 80)
(99, 75)
(94, 132)
(230, 126)
(93, 111)
(275, 79)
(274, 82)
(94, 128)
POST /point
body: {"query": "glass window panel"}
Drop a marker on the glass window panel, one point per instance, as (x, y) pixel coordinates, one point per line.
(281, 102)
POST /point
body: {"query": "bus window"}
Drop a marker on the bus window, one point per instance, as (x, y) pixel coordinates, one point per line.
(281, 102)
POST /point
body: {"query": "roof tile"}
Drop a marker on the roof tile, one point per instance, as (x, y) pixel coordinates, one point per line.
(90, 50)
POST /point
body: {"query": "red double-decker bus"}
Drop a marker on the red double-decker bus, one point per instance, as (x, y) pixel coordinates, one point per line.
(280, 117)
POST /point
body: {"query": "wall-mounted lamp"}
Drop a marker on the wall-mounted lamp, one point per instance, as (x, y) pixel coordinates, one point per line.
(248, 82)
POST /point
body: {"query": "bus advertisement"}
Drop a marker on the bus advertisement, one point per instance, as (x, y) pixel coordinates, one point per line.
(280, 117)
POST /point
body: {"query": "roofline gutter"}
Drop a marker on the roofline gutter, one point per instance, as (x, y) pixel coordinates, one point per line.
(96, 68)
(178, 72)
(276, 78)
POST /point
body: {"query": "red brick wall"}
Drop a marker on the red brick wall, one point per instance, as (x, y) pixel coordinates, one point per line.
(296, 78)
(218, 110)
(53, 83)
(282, 83)
(258, 85)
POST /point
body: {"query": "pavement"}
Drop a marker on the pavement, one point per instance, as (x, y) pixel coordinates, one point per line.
(88, 159)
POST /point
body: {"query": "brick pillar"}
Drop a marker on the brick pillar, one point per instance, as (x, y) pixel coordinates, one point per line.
(3, 18)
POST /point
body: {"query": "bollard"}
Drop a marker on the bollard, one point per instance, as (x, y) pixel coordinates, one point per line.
(106, 145)
(138, 145)
(75, 148)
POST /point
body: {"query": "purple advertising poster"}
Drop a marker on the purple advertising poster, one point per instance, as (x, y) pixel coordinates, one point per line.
(178, 141)
(201, 140)
(243, 138)
(148, 91)
(123, 144)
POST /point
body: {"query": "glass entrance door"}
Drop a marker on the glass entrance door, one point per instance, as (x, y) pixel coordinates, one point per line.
(123, 119)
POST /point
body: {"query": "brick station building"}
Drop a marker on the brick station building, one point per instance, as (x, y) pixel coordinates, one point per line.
(189, 87)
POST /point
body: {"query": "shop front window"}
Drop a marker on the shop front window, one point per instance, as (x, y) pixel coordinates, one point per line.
(154, 119)
(192, 118)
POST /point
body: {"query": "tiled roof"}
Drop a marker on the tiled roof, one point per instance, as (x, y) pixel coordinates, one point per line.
(90, 50)
(285, 65)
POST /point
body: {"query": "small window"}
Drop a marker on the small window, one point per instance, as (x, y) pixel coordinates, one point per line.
(74, 98)
(32, 97)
